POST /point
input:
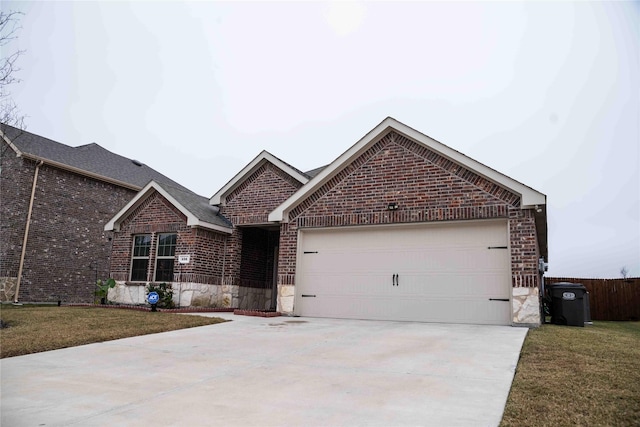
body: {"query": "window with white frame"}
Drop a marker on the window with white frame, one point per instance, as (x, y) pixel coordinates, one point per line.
(140, 257)
(165, 257)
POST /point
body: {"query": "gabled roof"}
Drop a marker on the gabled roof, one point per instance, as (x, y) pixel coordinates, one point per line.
(90, 160)
(196, 208)
(264, 157)
(528, 196)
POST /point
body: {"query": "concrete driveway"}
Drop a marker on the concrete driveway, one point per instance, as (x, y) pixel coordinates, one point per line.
(271, 372)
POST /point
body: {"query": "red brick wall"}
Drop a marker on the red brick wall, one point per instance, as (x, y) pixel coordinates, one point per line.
(259, 195)
(16, 178)
(427, 188)
(67, 244)
(251, 203)
(158, 215)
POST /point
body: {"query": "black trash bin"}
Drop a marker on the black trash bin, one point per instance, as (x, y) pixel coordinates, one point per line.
(568, 302)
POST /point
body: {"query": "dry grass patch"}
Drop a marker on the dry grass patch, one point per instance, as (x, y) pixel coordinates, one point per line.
(577, 376)
(34, 329)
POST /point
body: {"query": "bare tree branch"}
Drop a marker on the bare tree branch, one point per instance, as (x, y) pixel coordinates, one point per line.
(9, 112)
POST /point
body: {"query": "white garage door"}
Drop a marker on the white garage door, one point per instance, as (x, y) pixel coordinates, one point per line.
(452, 272)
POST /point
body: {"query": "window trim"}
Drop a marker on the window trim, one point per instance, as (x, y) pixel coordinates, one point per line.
(162, 257)
(139, 257)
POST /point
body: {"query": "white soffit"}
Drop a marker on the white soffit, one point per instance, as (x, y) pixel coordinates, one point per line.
(529, 196)
(255, 164)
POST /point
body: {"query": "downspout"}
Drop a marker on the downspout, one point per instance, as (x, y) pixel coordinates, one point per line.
(26, 231)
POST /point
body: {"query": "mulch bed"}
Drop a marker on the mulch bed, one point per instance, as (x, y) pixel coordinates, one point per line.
(236, 311)
(257, 313)
(163, 310)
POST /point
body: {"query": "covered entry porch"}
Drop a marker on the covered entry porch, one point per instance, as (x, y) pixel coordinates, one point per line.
(258, 267)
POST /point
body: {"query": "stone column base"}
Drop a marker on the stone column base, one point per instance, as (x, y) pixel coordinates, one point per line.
(526, 307)
(285, 299)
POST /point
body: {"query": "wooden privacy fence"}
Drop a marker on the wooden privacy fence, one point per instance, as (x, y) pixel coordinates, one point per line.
(610, 299)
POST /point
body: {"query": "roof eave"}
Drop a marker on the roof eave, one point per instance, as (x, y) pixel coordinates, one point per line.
(114, 223)
(220, 197)
(215, 227)
(529, 198)
(80, 171)
(11, 144)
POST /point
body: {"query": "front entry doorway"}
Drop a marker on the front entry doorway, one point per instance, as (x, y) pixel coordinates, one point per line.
(259, 267)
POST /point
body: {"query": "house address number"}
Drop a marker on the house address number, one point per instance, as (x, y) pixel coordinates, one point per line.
(184, 259)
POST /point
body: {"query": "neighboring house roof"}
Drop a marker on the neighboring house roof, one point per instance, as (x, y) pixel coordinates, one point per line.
(90, 160)
(264, 157)
(528, 196)
(313, 172)
(196, 208)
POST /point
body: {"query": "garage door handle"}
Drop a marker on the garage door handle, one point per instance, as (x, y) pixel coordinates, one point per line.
(393, 280)
(308, 296)
(499, 299)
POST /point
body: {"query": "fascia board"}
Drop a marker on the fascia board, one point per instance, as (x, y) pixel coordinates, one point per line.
(257, 162)
(67, 167)
(11, 144)
(529, 197)
(279, 213)
(114, 223)
(215, 227)
(80, 171)
(192, 220)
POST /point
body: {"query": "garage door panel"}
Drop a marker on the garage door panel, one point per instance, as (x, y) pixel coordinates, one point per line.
(447, 273)
(489, 285)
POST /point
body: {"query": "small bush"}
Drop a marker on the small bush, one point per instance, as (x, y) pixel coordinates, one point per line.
(164, 292)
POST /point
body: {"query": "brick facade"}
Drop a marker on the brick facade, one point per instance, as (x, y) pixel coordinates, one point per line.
(157, 215)
(238, 268)
(67, 247)
(427, 188)
(250, 204)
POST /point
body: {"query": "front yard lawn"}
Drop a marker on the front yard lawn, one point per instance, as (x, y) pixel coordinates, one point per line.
(32, 329)
(577, 376)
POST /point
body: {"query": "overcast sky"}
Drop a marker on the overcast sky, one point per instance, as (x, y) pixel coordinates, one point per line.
(547, 93)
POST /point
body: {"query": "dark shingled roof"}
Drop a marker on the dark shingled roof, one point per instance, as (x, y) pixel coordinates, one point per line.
(197, 205)
(313, 172)
(91, 158)
(100, 162)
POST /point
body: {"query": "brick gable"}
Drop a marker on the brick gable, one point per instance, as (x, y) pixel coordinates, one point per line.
(426, 186)
(157, 215)
(253, 200)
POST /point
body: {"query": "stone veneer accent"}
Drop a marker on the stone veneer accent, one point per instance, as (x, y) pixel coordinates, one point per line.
(8, 288)
(184, 295)
(526, 306)
(286, 295)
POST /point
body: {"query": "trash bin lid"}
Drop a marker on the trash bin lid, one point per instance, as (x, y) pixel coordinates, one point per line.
(567, 285)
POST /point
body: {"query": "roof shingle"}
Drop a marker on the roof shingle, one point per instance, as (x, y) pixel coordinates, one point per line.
(91, 158)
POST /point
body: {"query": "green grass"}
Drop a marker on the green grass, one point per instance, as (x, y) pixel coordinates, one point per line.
(577, 376)
(33, 329)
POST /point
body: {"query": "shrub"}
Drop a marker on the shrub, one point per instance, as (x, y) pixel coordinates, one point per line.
(165, 293)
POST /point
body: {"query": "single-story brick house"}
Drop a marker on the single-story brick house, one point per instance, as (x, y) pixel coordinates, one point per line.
(54, 202)
(398, 227)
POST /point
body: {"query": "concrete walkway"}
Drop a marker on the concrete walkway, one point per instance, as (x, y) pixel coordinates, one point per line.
(271, 372)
